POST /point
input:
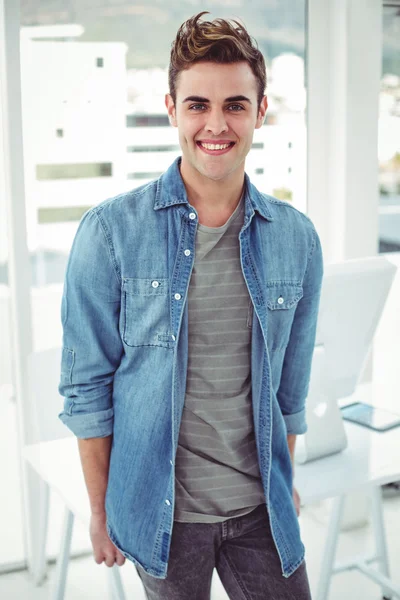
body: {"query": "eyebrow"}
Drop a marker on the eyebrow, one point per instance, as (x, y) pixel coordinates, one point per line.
(230, 99)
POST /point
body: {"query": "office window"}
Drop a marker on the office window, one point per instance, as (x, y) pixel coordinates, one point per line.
(61, 214)
(389, 132)
(167, 148)
(73, 171)
(148, 175)
(147, 121)
(93, 86)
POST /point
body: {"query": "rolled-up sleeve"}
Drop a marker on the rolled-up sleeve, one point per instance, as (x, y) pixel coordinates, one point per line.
(295, 377)
(92, 346)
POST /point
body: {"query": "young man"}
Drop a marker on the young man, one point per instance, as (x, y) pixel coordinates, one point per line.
(189, 314)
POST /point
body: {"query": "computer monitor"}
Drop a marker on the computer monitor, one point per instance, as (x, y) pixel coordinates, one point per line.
(353, 297)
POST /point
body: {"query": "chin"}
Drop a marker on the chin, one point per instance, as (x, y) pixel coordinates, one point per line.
(218, 175)
(215, 176)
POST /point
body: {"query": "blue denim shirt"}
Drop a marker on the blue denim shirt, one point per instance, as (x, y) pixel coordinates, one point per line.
(125, 351)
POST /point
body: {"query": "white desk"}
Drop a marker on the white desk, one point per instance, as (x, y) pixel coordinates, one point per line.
(370, 460)
(58, 464)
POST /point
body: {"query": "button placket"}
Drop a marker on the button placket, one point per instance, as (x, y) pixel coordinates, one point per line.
(181, 276)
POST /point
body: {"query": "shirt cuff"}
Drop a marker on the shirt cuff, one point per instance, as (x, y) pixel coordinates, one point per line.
(90, 425)
(296, 423)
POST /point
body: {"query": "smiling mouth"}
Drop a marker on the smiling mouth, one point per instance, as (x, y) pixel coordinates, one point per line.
(215, 148)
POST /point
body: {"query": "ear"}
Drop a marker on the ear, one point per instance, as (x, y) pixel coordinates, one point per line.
(262, 112)
(169, 103)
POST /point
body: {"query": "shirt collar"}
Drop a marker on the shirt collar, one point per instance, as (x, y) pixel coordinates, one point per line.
(171, 190)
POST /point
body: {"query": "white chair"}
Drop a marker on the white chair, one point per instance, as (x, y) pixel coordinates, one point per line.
(46, 403)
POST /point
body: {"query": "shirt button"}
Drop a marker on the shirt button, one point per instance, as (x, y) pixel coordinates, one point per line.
(155, 284)
(177, 296)
(173, 338)
(167, 502)
(280, 300)
(187, 253)
(192, 216)
(171, 462)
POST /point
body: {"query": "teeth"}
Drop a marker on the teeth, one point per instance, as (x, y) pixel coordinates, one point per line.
(215, 146)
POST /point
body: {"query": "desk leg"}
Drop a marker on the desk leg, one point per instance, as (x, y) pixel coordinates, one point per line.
(330, 549)
(63, 559)
(116, 587)
(40, 565)
(380, 535)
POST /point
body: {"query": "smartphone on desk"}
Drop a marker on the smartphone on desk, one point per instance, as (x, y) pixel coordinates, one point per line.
(370, 416)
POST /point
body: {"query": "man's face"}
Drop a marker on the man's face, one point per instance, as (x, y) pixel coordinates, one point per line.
(216, 112)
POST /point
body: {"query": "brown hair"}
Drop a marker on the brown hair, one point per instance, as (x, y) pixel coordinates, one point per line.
(218, 41)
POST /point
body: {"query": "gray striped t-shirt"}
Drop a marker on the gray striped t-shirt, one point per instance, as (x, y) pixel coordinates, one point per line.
(217, 473)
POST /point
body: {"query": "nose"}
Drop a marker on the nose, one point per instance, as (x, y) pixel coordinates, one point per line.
(216, 122)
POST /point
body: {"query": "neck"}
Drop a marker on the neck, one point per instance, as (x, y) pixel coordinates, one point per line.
(214, 201)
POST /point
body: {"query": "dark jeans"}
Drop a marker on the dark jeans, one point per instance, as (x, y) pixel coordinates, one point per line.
(243, 552)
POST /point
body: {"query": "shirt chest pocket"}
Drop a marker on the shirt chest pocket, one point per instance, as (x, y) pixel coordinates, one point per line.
(146, 314)
(282, 301)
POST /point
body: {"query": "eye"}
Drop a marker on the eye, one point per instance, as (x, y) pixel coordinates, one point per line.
(197, 107)
(235, 107)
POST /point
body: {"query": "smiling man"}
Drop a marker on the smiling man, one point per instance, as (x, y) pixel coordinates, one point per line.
(189, 314)
(218, 125)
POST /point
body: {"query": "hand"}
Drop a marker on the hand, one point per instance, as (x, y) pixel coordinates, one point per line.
(296, 500)
(103, 548)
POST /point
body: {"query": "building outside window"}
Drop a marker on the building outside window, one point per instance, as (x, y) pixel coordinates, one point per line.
(389, 132)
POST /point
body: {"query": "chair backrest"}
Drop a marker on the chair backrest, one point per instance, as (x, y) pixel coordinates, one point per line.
(45, 400)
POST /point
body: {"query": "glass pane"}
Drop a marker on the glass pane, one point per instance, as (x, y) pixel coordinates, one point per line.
(95, 123)
(389, 133)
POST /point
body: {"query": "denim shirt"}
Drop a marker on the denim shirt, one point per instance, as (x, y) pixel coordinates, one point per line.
(125, 351)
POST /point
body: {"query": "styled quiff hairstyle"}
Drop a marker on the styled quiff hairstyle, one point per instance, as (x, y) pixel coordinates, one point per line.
(218, 41)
